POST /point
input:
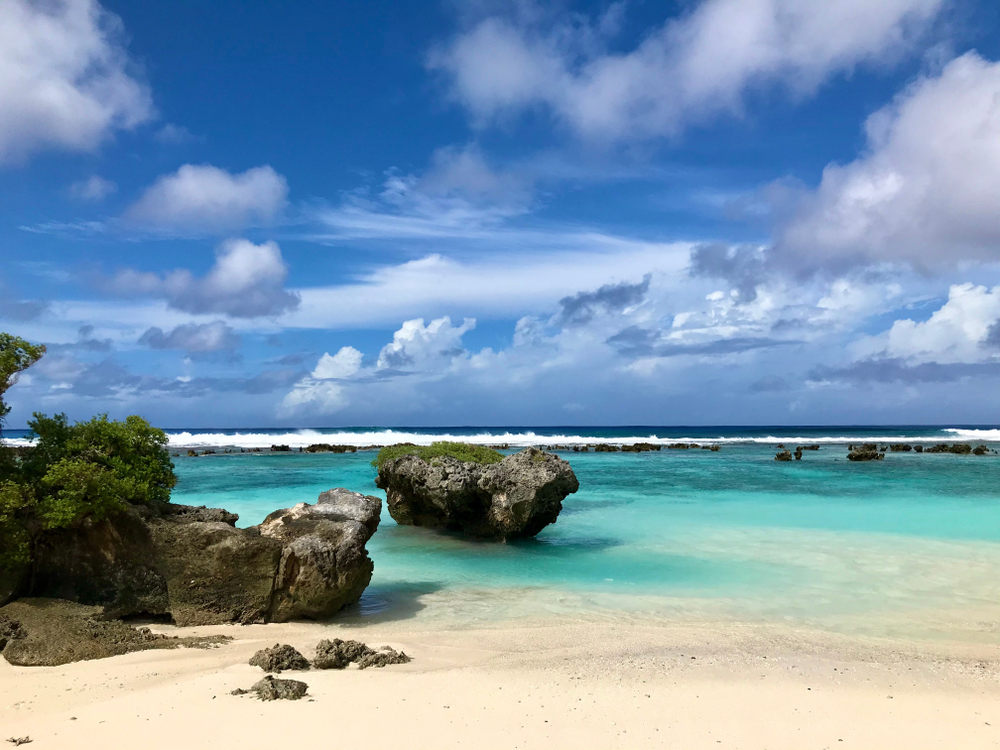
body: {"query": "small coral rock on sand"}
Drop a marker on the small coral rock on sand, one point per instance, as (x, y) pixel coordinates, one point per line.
(279, 658)
(273, 689)
(337, 654)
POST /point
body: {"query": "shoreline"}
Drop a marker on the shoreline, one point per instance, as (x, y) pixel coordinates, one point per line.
(556, 682)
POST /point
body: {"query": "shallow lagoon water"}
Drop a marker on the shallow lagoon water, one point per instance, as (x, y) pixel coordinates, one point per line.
(905, 547)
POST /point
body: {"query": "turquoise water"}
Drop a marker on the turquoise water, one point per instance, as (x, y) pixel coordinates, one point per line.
(908, 546)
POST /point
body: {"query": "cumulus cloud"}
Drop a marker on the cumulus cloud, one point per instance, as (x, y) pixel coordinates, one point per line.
(320, 392)
(925, 191)
(957, 332)
(94, 188)
(193, 338)
(247, 281)
(416, 345)
(697, 65)
(66, 81)
(581, 308)
(343, 364)
(203, 198)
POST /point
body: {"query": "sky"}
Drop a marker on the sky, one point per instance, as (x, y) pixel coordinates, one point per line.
(503, 212)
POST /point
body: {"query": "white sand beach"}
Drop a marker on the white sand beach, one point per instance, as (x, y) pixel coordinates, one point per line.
(545, 684)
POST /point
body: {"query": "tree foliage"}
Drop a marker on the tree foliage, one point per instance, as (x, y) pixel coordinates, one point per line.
(75, 472)
(479, 454)
(16, 356)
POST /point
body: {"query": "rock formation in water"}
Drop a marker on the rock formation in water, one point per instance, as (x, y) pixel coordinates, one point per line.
(783, 456)
(517, 497)
(195, 566)
(324, 563)
(865, 452)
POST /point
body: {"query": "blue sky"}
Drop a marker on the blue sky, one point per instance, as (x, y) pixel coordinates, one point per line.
(708, 212)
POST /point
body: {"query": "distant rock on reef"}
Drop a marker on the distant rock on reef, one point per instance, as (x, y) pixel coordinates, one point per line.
(865, 452)
(517, 497)
(194, 565)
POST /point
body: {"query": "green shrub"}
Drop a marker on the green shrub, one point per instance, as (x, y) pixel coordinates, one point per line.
(462, 451)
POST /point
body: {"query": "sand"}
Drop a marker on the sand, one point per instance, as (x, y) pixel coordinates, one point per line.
(570, 683)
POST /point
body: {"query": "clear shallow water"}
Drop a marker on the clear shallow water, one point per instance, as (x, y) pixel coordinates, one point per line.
(905, 547)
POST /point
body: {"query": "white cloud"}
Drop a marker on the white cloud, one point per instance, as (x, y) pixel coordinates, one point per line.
(193, 337)
(247, 281)
(955, 333)
(203, 198)
(94, 188)
(343, 364)
(926, 190)
(65, 78)
(415, 345)
(316, 397)
(176, 135)
(693, 67)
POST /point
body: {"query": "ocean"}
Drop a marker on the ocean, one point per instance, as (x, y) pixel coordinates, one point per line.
(908, 547)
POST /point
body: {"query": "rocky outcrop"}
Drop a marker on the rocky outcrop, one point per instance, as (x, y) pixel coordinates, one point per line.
(517, 497)
(215, 572)
(900, 447)
(110, 563)
(279, 658)
(272, 689)
(961, 449)
(194, 565)
(783, 456)
(324, 564)
(50, 632)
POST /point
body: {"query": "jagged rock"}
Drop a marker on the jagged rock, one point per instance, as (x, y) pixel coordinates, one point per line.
(918, 449)
(280, 449)
(980, 450)
(191, 453)
(279, 658)
(798, 453)
(601, 448)
(900, 447)
(640, 448)
(215, 572)
(338, 654)
(50, 632)
(517, 497)
(813, 447)
(324, 564)
(328, 448)
(960, 449)
(272, 689)
(783, 456)
(678, 446)
(384, 657)
(866, 452)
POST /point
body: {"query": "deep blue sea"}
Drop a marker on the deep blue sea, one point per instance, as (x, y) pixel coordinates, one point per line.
(908, 546)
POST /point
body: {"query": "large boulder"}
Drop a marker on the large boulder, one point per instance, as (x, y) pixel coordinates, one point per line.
(215, 573)
(110, 563)
(324, 564)
(517, 497)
